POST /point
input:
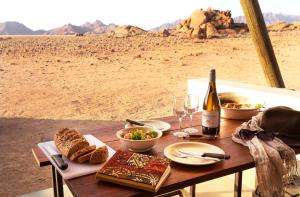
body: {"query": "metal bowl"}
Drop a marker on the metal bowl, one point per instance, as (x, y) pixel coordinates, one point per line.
(243, 113)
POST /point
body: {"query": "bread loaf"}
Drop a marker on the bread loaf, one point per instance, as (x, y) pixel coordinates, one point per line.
(76, 148)
(69, 141)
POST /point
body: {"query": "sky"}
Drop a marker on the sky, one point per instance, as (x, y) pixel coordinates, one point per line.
(49, 14)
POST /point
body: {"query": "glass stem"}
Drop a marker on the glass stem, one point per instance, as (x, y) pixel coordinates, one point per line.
(180, 123)
(191, 120)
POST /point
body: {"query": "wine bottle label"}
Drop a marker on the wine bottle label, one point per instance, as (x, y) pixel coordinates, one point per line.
(210, 119)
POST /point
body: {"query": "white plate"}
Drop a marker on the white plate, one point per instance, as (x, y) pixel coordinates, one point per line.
(192, 147)
(160, 125)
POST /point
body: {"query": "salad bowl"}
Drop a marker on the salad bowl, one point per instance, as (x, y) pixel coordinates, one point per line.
(139, 138)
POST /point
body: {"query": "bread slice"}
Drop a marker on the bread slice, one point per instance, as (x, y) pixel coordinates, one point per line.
(100, 155)
(85, 158)
(75, 146)
(81, 152)
(95, 157)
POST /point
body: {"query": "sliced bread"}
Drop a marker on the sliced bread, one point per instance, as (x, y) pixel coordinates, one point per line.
(95, 157)
(85, 158)
(100, 155)
(81, 152)
(66, 135)
(69, 141)
(76, 145)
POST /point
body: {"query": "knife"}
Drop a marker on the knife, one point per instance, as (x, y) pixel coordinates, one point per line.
(57, 158)
(194, 137)
(135, 122)
(142, 124)
(203, 154)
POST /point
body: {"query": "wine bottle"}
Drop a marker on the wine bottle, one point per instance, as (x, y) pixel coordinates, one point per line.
(211, 109)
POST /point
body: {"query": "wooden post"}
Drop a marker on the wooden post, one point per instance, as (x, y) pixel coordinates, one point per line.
(262, 42)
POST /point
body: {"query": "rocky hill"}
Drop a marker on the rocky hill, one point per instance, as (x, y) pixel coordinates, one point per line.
(126, 31)
(270, 18)
(210, 24)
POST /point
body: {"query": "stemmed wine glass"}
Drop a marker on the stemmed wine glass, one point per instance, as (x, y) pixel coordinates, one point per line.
(191, 106)
(178, 110)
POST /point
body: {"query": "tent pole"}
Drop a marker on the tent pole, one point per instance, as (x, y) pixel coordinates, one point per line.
(261, 40)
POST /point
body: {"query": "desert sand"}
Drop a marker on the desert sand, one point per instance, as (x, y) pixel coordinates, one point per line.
(47, 82)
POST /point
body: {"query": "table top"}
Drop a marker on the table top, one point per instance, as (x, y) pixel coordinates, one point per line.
(181, 175)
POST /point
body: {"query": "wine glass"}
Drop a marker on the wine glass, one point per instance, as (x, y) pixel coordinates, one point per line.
(191, 106)
(178, 110)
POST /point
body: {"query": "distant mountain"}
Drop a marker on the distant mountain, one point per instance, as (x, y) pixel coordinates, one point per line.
(91, 28)
(67, 29)
(98, 27)
(271, 18)
(166, 26)
(40, 32)
(16, 28)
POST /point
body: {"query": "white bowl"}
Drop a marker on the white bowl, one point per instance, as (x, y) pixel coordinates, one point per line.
(239, 114)
(138, 145)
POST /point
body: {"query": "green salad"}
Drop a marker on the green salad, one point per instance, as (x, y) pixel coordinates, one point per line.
(139, 134)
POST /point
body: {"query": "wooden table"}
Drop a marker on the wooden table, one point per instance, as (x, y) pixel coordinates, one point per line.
(181, 175)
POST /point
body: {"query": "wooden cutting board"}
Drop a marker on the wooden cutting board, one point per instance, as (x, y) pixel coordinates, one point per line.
(76, 169)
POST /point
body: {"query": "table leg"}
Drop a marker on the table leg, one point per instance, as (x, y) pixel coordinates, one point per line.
(54, 184)
(59, 184)
(238, 184)
(193, 190)
(172, 193)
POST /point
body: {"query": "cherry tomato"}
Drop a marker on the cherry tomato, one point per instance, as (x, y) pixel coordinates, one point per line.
(148, 137)
(127, 136)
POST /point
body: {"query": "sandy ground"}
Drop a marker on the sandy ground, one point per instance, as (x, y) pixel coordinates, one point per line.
(47, 82)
